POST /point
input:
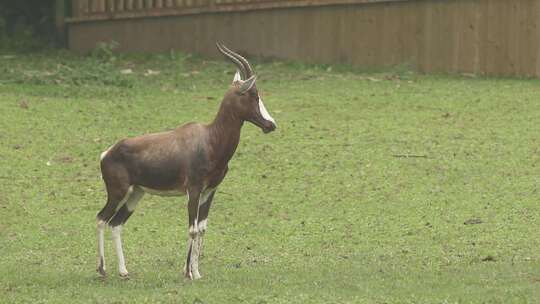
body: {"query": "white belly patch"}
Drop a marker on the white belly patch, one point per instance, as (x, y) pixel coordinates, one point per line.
(163, 192)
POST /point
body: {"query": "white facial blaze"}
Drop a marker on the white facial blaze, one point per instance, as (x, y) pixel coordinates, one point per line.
(264, 112)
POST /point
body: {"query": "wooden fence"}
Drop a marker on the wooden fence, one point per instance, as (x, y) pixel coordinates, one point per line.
(491, 37)
(90, 10)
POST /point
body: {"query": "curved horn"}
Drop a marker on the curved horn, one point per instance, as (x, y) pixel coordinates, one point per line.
(233, 58)
(245, 63)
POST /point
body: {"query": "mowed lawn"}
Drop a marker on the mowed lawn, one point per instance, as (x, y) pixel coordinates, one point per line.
(382, 187)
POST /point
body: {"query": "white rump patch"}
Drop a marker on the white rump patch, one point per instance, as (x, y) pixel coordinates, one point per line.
(105, 153)
(102, 156)
(264, 112)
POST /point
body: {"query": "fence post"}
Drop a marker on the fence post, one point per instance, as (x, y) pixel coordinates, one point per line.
(119, 5)
(59, 22)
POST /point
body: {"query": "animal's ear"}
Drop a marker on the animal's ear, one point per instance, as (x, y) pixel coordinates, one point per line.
(248, 84)
(237, 77)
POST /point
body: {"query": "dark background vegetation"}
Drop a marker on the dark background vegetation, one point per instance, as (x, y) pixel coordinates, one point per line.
(27, 24)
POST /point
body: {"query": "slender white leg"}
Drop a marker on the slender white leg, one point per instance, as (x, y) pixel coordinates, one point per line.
(101, 247)
(186, 263)
(204, 206)
(117, 241)
(191, 268)
(195, 258)
(196, 254)
(199, 246)
(192, 264)
(188, 266)
(202, 230)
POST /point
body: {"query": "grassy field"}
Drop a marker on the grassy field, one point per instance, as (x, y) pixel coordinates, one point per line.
(385, 187)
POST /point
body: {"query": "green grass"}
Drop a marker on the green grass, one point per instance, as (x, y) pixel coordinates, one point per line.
(325, 210)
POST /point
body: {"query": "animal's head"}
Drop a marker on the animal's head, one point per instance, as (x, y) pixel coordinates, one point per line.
(244, 96)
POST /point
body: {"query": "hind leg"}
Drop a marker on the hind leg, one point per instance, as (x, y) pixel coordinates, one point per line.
(117, 193)
(117, 222)
(103, 217)
(101, 224)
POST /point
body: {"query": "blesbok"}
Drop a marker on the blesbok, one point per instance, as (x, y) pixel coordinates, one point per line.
(190, 160)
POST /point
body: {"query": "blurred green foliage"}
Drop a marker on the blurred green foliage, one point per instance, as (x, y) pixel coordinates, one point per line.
(26, 25)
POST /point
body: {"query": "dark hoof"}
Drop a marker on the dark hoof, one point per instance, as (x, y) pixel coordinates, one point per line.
(101, 272)
(101, 268)
(124, 276)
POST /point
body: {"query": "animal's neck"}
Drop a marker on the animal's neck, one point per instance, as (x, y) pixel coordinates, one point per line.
(225, 134)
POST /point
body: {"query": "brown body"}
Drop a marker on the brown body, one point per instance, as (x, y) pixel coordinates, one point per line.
(191, 159)
(171, 161)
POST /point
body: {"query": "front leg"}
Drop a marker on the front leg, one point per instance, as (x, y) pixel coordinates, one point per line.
(202, 218)
(191, 270)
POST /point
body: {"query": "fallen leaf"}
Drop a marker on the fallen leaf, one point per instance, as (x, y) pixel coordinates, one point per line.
(151, 73)
(489, 258)
(66, 159)
(473, 221)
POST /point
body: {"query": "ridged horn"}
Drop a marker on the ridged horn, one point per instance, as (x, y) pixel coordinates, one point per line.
(245, 63)
(232, 58)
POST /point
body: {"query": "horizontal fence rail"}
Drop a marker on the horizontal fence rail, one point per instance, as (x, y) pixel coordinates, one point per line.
(89, 10)
(486, 37)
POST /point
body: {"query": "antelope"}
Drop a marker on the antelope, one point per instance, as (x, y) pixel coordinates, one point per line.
(190, 160)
